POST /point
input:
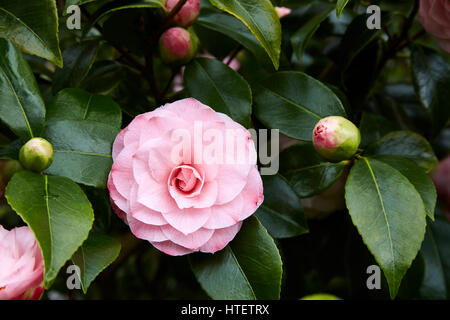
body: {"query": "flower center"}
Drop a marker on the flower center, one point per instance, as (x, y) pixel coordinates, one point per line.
(186, 180)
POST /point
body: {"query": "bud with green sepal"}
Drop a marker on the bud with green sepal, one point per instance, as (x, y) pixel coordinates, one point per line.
(177, 46)
(36, 154)
(336, 138)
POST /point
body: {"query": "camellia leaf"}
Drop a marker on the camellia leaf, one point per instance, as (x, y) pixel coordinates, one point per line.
(261, 18)
(58, 213)
(11, 150)
(373, 127)
(293, 102)
(340, 5)
(32, 26)
(21, 106)
(281, 212)
(301, 38)
(77, 104)
(307, 172)
(436, 254)
(145, 4)
(389, 214)
(408, 145)
(356, 38)
(249, 268)
(77, 2)
(96, 253)
(78, 60)
(431, 76)
(420, 180)
(215, 84)
(82, 150)
(228, 25)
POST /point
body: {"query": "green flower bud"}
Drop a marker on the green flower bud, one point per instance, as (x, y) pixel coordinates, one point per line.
(336, 138)
(36, 154)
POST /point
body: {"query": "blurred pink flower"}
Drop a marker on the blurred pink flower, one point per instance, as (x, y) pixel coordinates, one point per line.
(441, 178)
(434, 15)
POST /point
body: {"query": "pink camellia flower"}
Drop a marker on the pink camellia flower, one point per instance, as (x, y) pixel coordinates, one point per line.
(21, 265)
(283, 11)
(178, 45)
(186, 177)
(441, 178)
(188, 13)
(434, 15)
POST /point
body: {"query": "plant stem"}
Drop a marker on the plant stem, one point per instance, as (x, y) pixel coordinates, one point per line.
(233, 54)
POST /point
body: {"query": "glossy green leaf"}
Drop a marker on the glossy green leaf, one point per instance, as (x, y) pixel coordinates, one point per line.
(21, 106)
(144, 4)
(11, 150)
(431, 76)
(293, 102)
(77, 2)
(307, 172)
(94, 256)
(420, 180)
(32, 26)
(281, 212)
(302, 36)
(215, 84)
(436, 254)
(104, 77)
(261, 18)
(77, 104)
(78, 60)
(407, 145)
(356, 38)
(389, 214)
(82, 150)
(373, 127)
(249, 268)
(233, 28)
(340, 5)
(58, 213)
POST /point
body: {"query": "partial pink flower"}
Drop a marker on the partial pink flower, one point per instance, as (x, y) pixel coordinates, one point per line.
(188, 13)
(434, 15)
(172, 181)
(21, 265)
(283, 11)
(441, 178)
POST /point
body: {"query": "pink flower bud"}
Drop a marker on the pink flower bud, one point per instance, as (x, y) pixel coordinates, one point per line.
(282, 11)
(178, 45)
(188, 13)
(21, 267)
(336, 138)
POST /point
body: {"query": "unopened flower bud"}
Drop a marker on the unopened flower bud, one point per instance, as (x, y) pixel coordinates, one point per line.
(188, 13)
(336, 138)
(178, 46)
(282, 11)
(36, 154)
